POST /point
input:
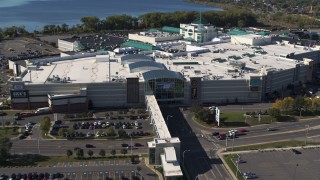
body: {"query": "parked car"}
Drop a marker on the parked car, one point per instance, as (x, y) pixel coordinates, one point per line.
(243, 130)
(90, 146)
(124, 145)
(215, 133)
(138, 145)
(239, 161)
(296, 151)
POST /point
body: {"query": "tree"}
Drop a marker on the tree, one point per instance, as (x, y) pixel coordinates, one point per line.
(298, 103)
(70, 130)
(45, 124)
(274, 112)
(113, 152)
(90, 22)
(110, 131)
(277, 104)
(80, 153)
(122, 133)
(102, 153)
(5, 146)
(287, 104)
(124, 151)
(69, 153)
(60, 132)
(138, 168)
(315, 103)
(90, 153)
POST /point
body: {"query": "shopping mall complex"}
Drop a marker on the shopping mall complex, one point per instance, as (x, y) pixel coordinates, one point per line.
(182, 66)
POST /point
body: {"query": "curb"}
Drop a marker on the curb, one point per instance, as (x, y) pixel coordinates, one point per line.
(146, 161)
(220, 154)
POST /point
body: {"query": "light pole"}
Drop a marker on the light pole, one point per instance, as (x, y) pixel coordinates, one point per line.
(168, 119)
(39, 141)
(301, 109)
(307, 132)
(233, 134)
(131, 144)
(226, 141)
(187, 150)
(197, 177)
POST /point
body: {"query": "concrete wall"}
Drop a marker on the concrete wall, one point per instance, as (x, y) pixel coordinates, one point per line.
(107, 94)
(65, 45)
(223, 91)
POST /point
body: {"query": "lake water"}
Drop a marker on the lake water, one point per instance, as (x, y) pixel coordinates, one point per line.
(34, 14)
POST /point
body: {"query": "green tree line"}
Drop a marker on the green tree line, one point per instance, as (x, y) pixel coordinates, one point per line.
(274, 13)
(145, 21)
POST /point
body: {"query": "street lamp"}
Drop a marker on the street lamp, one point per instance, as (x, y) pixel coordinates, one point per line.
(301, 109)
(197, 177)
(131, 144)
(187, 150)
(233, 134)
(307, 132)
(168, 119)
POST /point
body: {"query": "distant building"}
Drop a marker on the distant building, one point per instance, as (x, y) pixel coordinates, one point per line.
(198, 31)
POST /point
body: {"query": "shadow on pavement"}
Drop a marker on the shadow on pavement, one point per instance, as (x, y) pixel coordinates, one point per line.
(196, 161)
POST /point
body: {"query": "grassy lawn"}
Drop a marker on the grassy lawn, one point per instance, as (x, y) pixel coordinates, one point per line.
(44, 161)
(9, 132)
(228, 159)
(238, 119)
(12, 112)
(280, 144)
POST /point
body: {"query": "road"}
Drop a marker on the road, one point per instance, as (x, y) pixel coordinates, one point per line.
(59, 147)
(202, 161)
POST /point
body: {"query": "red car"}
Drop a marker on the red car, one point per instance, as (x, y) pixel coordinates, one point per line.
(138, 144)
(243, 130)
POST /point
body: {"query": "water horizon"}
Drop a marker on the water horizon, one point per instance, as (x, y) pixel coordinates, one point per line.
(35, 14)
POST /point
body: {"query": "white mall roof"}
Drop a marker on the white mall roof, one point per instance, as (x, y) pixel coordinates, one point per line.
(88, 70)
(170, 154)
(170, 168)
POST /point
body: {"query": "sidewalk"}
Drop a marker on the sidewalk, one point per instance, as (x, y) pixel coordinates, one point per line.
(151, 167)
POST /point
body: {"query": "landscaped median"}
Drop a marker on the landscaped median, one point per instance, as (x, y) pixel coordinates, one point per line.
(47, 161)
(230, 156)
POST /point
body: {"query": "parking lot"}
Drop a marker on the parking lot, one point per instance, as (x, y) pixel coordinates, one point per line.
(283, 164)
(84, 170)
(94, 163)
(4, 85)
(116, 175)
(134, 126)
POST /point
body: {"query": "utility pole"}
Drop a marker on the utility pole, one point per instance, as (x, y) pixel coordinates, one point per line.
(307, 132)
